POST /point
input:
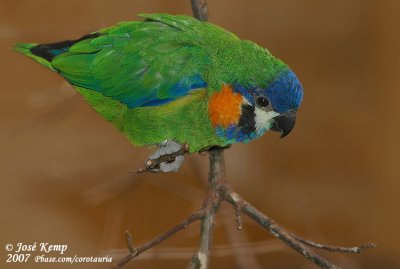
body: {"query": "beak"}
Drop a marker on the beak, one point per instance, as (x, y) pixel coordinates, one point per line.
(283, 124)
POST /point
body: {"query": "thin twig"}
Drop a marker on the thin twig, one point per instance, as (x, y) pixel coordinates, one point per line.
(278, 231)
(158, 239)
(244, 257)
(200, 9)
(129, 242)
(330, 248)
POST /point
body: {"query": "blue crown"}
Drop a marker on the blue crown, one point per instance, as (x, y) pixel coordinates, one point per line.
(285, 93)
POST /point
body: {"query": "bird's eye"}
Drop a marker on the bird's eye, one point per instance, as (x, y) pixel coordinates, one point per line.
(262, 101)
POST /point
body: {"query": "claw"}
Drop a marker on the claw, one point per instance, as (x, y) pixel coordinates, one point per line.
(167, 147)
(163, 144)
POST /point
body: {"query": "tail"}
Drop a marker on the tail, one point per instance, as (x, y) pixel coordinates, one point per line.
(44, 53)
(28, 49)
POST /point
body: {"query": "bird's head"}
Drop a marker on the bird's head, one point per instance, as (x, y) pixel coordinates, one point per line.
(273, 107)
(242, 114)
(277, 104)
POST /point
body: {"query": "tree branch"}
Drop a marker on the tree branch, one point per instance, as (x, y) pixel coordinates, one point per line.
(218, 192)
(217, 173)
(357, 249)
(216, 176)
(134, 252)
(277, 230)
(200, 9)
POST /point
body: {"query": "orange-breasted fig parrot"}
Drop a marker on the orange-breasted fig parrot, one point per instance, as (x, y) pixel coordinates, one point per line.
(175, 78)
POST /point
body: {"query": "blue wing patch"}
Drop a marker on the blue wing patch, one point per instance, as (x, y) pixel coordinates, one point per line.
(181, 88)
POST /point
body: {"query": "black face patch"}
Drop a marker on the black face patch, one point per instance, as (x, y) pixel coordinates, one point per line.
(247, 122)
(49, 51)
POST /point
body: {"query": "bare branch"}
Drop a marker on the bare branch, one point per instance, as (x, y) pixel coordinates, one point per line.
(201, 257)
(200, 9)
(357, 249)
(244, 257)
(216, 176)
(278, 231)
(158, 239)
(239, 221)
(129, 242)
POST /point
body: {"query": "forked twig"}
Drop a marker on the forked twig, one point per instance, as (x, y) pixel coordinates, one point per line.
(134, 252)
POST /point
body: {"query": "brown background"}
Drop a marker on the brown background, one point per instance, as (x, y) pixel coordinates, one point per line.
(64, 170)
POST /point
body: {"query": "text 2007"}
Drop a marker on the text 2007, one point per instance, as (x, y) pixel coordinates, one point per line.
(18, 257)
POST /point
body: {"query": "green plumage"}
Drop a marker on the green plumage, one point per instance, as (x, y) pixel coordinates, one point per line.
(123, 69)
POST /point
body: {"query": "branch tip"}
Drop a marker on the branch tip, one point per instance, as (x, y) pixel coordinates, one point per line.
(367, 246)
(200, 9)
(129, 242)
(239, 221)
(330, 248)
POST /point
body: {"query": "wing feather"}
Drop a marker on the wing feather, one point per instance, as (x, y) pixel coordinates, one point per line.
(139, 63)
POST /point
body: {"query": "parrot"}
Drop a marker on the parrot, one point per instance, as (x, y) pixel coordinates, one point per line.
(175, 78)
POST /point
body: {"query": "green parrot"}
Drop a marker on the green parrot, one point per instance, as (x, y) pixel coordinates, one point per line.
(175, 78)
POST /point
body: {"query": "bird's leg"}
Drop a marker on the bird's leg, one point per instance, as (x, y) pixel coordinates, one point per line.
(204, 151)
(168, 158)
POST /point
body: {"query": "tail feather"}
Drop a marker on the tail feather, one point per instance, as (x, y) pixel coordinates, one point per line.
(44, 53)
(26, 49)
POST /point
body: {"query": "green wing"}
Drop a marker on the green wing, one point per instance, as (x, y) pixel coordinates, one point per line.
(137, 63)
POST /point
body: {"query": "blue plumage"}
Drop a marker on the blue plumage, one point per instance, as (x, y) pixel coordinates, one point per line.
(286, 92)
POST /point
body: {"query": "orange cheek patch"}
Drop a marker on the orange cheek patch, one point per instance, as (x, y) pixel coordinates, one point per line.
(224, 107)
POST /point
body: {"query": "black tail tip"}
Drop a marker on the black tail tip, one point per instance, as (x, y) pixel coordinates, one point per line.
(51, 50)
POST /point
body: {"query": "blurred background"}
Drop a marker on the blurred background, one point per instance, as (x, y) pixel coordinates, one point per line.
(65, 171)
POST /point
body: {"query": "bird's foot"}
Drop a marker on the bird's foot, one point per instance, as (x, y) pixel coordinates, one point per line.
(168, 158)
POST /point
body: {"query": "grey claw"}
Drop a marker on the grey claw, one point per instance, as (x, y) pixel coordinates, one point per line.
(167, 147)
(172, 166)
